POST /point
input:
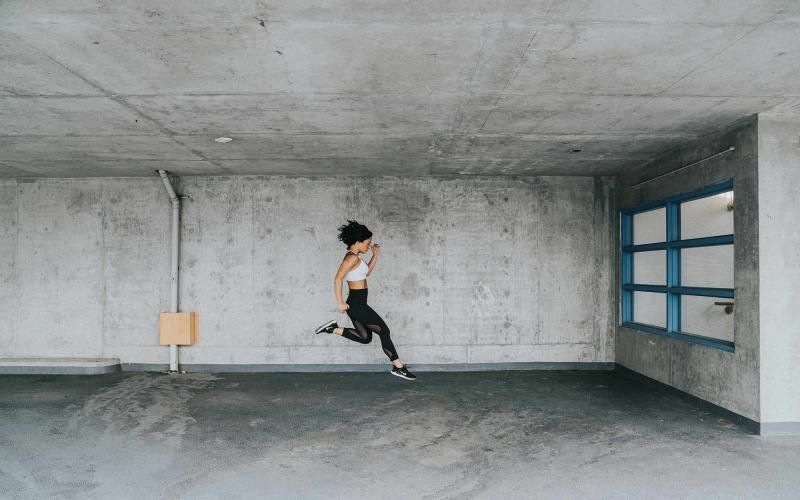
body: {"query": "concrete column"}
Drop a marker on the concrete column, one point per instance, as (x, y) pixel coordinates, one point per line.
(779, 280)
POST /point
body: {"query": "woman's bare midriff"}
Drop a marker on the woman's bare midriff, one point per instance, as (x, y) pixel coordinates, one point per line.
(357, 285)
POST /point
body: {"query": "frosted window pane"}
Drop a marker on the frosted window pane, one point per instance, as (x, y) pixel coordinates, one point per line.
(707, 216)
(650, 268)
(710, 267)
(650, 308)
(700, 316)
(650, 227)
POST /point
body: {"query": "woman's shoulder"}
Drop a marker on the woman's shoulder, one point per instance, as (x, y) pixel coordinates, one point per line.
(351, 257)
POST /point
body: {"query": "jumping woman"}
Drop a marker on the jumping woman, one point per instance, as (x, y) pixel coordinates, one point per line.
(355, 271)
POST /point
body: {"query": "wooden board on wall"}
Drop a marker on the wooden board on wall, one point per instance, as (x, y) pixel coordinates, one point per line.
(180, 328)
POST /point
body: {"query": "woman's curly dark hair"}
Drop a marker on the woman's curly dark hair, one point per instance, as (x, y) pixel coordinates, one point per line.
(353, 232)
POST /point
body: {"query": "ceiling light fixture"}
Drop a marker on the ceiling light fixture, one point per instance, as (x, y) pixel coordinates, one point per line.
(223, 140)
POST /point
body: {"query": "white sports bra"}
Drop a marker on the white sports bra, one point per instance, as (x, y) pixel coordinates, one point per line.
(359, 273)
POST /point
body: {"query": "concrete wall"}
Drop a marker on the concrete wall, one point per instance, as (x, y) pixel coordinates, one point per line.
(87, 273)
(779, 249)
(8, 265)
(478, 270)
(730, 380)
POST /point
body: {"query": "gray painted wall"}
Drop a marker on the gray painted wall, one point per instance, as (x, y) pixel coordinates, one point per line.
(477, 270)
(730, 380)
(779, 249)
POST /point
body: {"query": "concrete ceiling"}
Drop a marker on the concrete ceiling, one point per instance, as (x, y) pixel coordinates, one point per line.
(381, 87)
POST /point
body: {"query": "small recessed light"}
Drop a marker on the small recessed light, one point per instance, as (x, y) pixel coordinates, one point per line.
(223, 140)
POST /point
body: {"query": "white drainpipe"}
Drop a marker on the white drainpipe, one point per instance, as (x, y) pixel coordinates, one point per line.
(173, 270)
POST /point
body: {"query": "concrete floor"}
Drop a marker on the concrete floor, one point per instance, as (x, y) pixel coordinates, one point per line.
(369, 435)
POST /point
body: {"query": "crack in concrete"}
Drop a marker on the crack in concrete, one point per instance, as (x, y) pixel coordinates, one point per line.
(513, 76)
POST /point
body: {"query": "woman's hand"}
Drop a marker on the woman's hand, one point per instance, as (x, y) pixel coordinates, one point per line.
(343, 306)
(376, 249)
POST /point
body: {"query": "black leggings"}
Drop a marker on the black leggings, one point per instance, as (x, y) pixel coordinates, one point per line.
(366, 322)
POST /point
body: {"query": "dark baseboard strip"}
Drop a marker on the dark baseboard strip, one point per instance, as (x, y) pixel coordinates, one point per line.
(59, 370)
(480, 367)
(323, 368)
(740, 420)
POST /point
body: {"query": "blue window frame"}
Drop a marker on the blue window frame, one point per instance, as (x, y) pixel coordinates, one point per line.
(672, 245)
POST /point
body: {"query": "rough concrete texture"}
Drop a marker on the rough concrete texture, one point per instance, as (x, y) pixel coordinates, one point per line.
(90, 270)
(380, 87)
(8, 266)
(779, 268)
(468, 435)
(730, 380)
(482, 270)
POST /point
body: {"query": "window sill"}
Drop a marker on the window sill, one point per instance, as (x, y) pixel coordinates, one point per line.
(693, 339)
